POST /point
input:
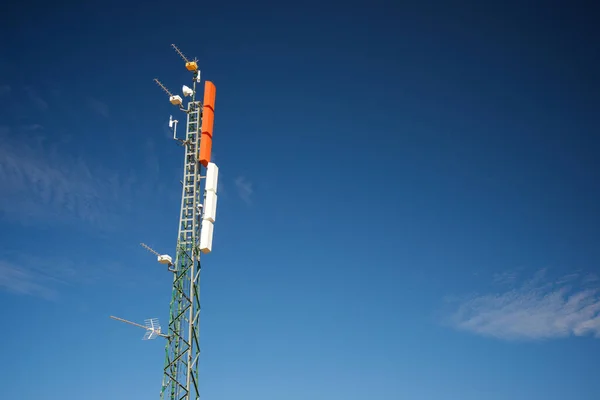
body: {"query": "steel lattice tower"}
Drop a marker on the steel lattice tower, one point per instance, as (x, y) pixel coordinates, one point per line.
(180, 379)
(196, 218)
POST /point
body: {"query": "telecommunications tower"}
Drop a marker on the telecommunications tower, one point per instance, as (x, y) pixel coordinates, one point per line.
(196, 219)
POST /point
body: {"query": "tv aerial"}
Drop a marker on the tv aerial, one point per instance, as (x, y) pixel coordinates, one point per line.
(151, 325)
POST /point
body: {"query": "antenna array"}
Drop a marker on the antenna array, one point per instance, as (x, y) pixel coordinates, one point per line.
(196, 225)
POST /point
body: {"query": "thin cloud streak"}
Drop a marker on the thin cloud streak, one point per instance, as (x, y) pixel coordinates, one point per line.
(36, 99)
(505, 278)
(45, 278)
(41, 182)
(98, 107)
(244, 188)
(538, 309)
(32, 127)
(18, 280)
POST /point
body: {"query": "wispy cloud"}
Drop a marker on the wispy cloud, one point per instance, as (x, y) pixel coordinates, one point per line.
(244, 189)
(505, 277)
(19, 280)
(36, 99)
(98, 107)
(42, 277)
(540, 308)
(32, 127)
(40, 180)
(151, 156)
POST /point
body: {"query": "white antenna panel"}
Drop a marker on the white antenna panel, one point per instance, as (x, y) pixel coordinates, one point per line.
(206, 236)
(212, 176)
(210, 207)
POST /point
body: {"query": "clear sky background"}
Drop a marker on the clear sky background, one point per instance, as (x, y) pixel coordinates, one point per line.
(408, 199)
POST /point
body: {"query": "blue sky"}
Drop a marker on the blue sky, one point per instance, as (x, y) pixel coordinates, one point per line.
(408, 199)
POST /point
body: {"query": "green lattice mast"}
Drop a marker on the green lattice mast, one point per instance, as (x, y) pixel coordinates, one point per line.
(197, 216)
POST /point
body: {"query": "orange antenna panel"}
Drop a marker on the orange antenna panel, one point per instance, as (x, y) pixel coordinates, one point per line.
(210, 93)
(208, 120)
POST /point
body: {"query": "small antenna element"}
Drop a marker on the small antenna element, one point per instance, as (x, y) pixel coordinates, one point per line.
(152, 329)
(159, 83)
(173, 126)
(150, 249)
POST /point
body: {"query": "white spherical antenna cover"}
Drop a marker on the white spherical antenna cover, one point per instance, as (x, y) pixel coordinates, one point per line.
(187, 91)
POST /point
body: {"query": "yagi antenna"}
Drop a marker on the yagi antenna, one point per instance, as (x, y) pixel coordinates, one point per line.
(176, 100)
(180, 53)
(150, 249)
(164, 259)
(159, 83)
(152, 327)
(190, 65)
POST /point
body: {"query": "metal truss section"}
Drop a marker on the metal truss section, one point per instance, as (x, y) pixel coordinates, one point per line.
(180, 380)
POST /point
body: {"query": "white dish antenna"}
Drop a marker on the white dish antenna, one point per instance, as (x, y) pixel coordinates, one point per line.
(187, 91)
